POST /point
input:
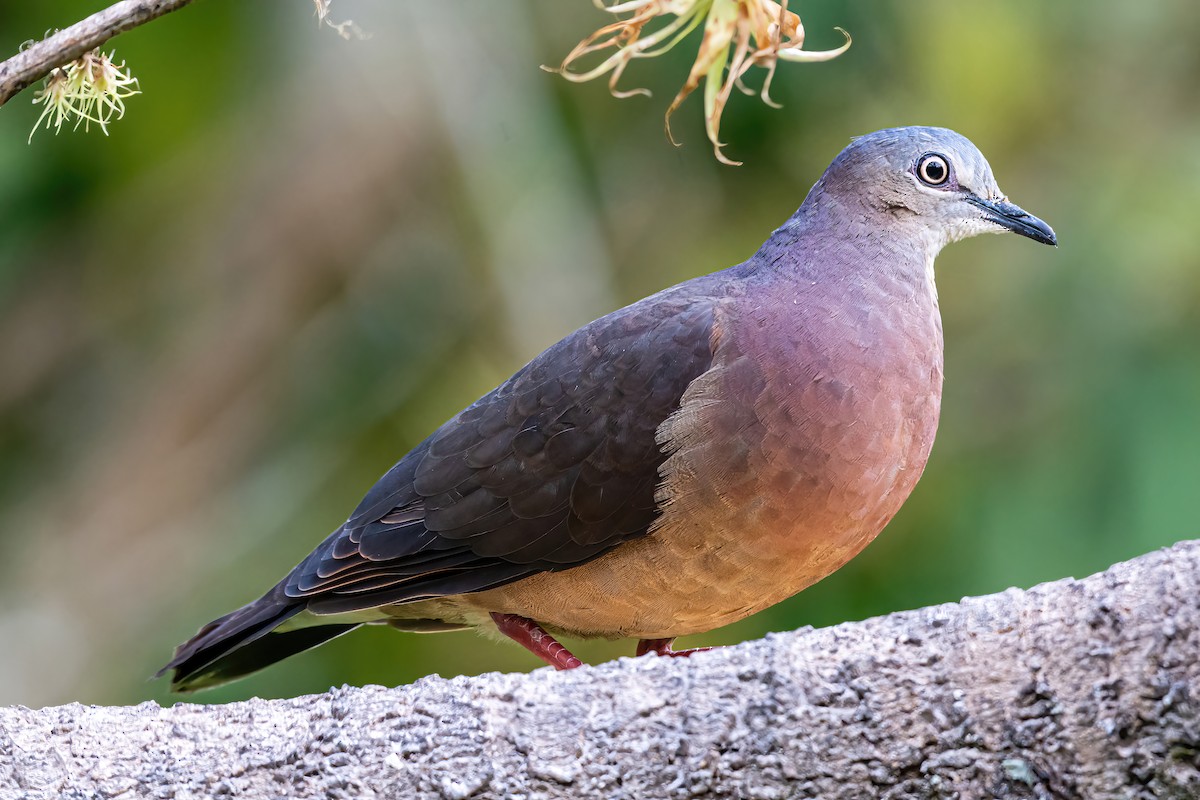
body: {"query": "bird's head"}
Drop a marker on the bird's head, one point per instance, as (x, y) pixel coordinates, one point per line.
(932, 177)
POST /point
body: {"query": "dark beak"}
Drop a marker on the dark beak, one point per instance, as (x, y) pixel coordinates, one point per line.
(1016, 219)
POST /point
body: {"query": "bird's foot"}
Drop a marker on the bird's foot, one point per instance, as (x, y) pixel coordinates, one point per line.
(662, 647)
(530, 635)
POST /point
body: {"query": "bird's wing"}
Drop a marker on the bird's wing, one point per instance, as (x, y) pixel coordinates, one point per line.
(553, 468)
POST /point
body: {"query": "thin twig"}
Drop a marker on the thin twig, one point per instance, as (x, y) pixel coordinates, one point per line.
(36, 61)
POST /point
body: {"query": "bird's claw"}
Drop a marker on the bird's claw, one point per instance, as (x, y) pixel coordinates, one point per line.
(662, 647)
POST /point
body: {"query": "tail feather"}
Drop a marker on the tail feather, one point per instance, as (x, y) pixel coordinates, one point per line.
(238, 644)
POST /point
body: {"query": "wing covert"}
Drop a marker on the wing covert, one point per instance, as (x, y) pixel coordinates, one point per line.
(554, 467)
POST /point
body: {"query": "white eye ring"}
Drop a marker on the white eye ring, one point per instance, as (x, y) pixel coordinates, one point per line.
(933, 169)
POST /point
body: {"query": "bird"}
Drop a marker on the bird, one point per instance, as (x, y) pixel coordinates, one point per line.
(678, 464)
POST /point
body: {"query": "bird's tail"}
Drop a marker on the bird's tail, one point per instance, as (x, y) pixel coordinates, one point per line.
(242, 642)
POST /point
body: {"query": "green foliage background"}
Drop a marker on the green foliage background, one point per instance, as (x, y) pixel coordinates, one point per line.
(297, 255)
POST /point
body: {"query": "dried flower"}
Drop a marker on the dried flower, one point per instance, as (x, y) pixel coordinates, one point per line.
(346, 29)
(90, 89)
(758, 32)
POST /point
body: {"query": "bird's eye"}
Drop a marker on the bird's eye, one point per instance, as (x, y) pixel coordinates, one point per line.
(933, 170)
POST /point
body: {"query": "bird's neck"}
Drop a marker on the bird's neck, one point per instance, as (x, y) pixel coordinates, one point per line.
(860, 239)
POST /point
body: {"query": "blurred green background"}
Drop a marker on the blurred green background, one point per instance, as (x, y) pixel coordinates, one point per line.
(297, 255)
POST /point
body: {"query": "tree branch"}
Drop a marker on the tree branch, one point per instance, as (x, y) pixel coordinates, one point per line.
(1071, 690)
(35, 62)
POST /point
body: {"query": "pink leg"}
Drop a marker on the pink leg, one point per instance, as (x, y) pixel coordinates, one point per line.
(530, 635)
(662, 647)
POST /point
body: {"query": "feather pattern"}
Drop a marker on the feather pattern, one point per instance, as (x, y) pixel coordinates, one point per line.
(555, 467)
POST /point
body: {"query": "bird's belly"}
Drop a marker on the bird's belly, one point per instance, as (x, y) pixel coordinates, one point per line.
(668, 585)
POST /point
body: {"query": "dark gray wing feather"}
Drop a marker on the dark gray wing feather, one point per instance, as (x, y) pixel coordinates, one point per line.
(555, 467)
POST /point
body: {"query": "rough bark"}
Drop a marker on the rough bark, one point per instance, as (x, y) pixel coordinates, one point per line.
(1074, 689)
(35, 62)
